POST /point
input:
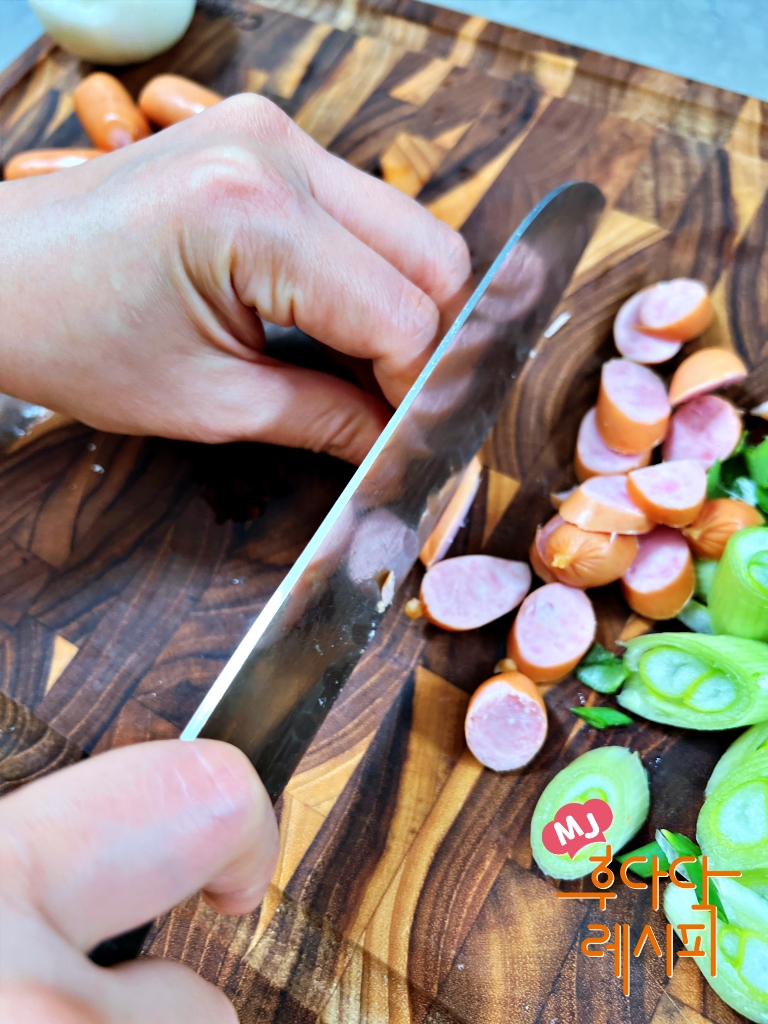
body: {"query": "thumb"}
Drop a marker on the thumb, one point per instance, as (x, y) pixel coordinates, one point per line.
(289, 405)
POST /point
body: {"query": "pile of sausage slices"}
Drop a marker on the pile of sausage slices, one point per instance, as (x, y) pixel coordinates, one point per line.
(630, 518)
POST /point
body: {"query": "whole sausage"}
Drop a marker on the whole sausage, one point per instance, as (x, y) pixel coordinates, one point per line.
(602, 504)
(676, 310)
(707, 429)
(582, 559)
(506, 722)
(660, 581)
(552, 631)
(704, 371)
(538, 545)
(630, 340)
(107, 112)
(632, 407)
(472, 590)
(448, 525)
(46, 161)
(670, 493)
(594, 457)
(168, 99)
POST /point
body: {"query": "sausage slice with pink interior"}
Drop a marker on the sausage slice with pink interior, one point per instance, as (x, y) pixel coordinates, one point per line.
(671, 493)
(506, 722)
(632, 407)
(632, 343)
(660, 581)
(552, 632)
(603, 504)
(450, 522)
(539, 543)
(472, 590)
(676, 310)
(706, 429)
(595, 458)
(704, 371)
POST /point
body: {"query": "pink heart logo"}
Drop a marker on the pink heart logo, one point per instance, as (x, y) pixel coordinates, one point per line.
(576, 826)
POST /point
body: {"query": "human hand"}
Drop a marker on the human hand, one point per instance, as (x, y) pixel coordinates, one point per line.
(98, 849)
(132, 286)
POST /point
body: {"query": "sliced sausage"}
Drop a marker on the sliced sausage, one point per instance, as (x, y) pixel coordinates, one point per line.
(556, 498)
(660, 581)
(595, 458)
(552, 632)
(581, 559)
(454, 514)
(168, 99)
(506, 722)
(760, 410)
(632, 343)
(107, 112)
(538, 544)
(707, 429)
(472, 590)
(602, 505)
(632, 407)
(676, 310)
(671, 493)
(46, 161)
(704, 371)
(716, 523)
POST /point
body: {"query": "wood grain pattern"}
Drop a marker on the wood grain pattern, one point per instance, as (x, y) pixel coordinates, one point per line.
(405, 891)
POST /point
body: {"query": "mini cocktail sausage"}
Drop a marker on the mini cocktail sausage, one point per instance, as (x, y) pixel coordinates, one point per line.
(450, 522)
(553, 630)
(581, 559)
(472, 590)
(716, 523)
(46, 161)
(671, 493)
(602, 505)
(704, 371)
(538, 545)
(506, 722)
(675, 310)
(630, 340)
(594, 457)
(707, 429)
(660, 581)
(107, 112)
(632, 407)
(168, 99)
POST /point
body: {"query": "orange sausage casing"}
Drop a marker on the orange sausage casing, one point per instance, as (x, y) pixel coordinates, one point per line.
(108, 113)
(46, 161)
(168, 99)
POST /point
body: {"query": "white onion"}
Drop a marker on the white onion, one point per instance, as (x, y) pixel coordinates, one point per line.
(115, 31)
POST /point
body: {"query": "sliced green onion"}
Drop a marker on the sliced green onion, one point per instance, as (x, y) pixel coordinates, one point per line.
(695, 681)
(742, 943)
(753, 741)
(613, 774)
(649, 851)
(757, 462)
(674, 845)
(602, 718)
(705, 572)
(732, 829)
(738, 599)
(696, 617)
(601, 670)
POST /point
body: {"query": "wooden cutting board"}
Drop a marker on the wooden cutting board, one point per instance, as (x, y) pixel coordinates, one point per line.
(405, 890)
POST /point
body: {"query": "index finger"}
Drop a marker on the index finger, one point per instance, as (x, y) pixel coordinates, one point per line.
(105, 845)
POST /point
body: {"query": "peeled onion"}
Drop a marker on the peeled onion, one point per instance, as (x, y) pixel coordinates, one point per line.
(716, 523)
(115, 31)
(581, 559)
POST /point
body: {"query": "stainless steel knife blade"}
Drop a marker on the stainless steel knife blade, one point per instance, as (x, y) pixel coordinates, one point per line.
(274, 693)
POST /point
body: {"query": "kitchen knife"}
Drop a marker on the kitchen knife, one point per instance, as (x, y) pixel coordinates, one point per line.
(275, 691)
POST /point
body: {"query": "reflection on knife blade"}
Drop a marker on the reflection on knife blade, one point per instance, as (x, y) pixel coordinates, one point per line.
(280, 683)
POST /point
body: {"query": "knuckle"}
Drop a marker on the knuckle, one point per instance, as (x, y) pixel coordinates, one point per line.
(257, 116)
(418, 316)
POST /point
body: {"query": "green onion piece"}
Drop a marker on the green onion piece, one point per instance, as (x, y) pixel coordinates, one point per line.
(696, 681)
(753, 741)
(613, 774)
(649, 851)
(742, 943)
(674, 845)
(601, 670)
(696, 617)
(732, 829)
(705, 573)
(602, 718)
(757, 462)
(738, 599)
